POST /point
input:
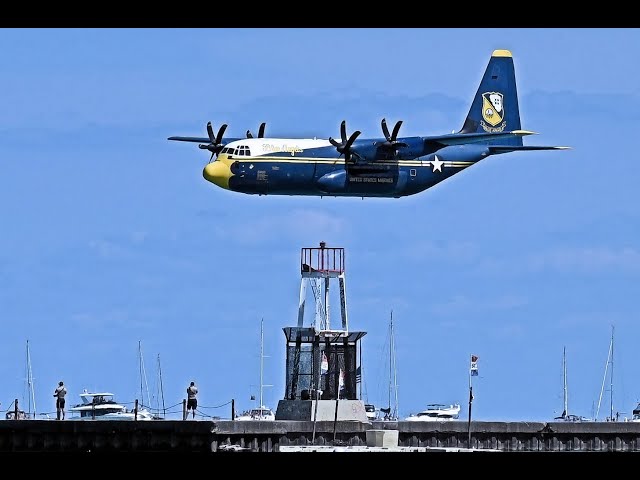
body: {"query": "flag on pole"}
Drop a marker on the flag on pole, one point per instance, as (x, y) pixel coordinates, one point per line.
(473, 371)
(324, 365)
(359, 374)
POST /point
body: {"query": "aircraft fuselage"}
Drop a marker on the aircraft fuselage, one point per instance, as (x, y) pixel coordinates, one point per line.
(388, 166)
(268, 166)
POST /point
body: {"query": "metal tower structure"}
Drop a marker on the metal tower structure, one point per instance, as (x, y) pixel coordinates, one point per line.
(323, 357)
(318, 266)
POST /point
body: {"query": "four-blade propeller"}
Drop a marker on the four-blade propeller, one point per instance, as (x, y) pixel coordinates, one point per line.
(344, 147)
(215, 142)
(391, 140)
(260, 131)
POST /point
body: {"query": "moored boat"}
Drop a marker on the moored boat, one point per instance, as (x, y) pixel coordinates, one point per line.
(260, 413)
(103, 406)
(436, 412)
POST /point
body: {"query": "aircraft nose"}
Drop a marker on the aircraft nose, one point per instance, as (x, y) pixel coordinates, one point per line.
(217, 172)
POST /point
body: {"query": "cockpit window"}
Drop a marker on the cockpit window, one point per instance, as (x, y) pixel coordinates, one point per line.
(243, 150)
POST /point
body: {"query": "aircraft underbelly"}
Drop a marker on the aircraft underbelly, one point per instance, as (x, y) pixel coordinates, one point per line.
(360, 183)
(310, 178)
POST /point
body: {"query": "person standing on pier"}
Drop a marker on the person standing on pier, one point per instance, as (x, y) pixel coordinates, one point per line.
(59, 393)
(192, 399)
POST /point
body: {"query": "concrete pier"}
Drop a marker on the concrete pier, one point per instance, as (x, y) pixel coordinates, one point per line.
(270, 436)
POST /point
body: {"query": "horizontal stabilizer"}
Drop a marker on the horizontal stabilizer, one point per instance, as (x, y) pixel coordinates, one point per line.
(516, 148)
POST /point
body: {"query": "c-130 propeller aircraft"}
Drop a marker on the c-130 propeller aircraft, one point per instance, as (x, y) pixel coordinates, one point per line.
(388, 166)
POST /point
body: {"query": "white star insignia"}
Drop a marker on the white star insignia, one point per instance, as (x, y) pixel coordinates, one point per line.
(437, 164)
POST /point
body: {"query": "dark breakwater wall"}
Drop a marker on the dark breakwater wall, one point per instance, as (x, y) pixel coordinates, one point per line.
(215, 436)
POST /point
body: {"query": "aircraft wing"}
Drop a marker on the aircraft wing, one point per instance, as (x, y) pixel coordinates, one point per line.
(191, 139)
(201, 139)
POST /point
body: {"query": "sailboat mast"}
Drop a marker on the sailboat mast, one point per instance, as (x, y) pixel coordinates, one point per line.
(564, 377)
(611, 378)
(261, 359)
(140, 372)
(395, 370)
(143, 377)
(390, 359)
(164, 412)
(604, 379)
(32, 394)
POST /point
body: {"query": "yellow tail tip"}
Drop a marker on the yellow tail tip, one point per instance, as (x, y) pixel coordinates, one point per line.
(501, 53)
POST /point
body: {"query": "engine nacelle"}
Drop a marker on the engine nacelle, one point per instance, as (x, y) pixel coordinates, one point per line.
(333, 182)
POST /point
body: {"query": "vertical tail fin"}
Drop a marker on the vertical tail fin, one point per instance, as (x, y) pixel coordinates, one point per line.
(495, 106)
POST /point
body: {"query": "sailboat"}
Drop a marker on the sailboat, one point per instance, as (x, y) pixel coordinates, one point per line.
(160, 396)
(144, 388)
(144, 385)
(30, 387)
(261, 412)
(566, 417)
(608, 367)
(17, 414)
(389, 413)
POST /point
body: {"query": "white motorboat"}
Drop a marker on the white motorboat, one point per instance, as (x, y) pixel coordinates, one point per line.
(102, 406)
(260, 413)
(371, 412)
(436, 412)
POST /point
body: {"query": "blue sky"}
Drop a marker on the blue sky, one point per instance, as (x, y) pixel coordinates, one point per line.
(111, 238)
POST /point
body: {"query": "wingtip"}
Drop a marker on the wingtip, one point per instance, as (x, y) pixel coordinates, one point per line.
(524, 132)
(501, 53)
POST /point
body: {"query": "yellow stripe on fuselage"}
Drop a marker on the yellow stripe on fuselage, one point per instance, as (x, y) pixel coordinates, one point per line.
(331, 161)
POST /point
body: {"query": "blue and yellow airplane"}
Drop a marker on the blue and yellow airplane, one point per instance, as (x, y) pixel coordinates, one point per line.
(388, 166)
